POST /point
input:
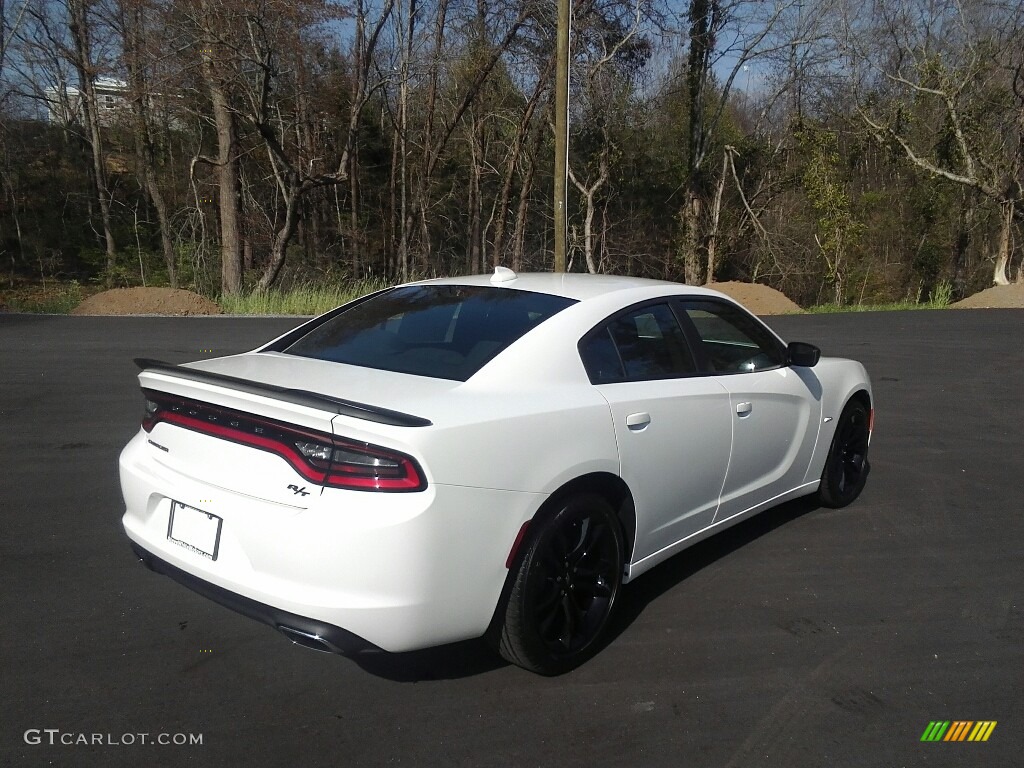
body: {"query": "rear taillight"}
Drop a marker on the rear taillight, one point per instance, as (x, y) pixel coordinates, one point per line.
(361, 465)
(320, 458)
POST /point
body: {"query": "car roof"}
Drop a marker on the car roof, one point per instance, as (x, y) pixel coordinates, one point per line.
(572, 285)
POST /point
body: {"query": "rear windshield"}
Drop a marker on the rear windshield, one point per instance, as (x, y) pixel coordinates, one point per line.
(442, 331)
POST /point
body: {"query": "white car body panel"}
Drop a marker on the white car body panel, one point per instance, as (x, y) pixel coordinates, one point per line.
(411, 570)
(780, 407)
(663, 471)
(640, 566)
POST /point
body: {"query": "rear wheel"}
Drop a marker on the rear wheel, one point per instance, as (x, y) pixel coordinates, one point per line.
(846, 468)
(565, 587)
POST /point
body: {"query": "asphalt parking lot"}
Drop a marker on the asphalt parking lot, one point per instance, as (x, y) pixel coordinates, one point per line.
(804, 637)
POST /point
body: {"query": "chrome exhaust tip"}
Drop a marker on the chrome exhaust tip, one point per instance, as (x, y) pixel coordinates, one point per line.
(308, 640)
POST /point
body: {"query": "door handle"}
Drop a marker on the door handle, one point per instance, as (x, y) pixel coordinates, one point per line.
(638, 422)
(743, 409)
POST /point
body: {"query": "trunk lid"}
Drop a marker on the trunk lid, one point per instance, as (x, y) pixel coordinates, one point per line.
(234, 422)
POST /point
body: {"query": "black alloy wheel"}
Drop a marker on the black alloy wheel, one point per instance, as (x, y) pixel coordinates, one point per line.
(846, 468)
(565, 587)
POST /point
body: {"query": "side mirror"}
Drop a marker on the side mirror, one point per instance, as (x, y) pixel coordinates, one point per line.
(802, 354)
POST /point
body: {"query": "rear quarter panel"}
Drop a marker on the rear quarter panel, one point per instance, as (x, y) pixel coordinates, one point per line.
(528, 438)
(529, 420)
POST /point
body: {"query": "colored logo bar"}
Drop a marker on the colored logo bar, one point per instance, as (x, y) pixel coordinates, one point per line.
(958, 730)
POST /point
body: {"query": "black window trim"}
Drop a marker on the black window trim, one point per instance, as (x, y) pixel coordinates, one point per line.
(605, 325)
(693, 340)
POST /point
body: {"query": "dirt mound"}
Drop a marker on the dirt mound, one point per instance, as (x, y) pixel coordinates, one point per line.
(759, 299)
(998, 296)
(146, 301)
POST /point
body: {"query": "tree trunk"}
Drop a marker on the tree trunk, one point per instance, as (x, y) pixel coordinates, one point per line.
(228, 170)
(80, 33)
(838, 283)
(279, 248)
(588, 234)
(999, 276)
(394, 257)
(354, 244)
(961, 253)
(691, 216)
(355, 233)
(230, 198)
(705, 20)
(476, 127)
(716, 212)
(602, 248)
(403, 148)
(523, 206)
(421, 200)
(164, 222)
(589, 192)
(145, 153)
(505, 198)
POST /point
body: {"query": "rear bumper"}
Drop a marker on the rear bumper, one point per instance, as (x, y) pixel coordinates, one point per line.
(398, 572)
(301, 630)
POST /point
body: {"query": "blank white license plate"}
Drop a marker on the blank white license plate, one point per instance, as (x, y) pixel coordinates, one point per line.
(194, 529)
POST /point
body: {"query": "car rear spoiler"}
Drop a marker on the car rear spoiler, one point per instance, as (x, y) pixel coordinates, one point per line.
(297, 396)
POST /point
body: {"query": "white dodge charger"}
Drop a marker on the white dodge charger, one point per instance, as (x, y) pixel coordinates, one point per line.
(481, 456)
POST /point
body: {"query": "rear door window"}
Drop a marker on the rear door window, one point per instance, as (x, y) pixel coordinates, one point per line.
(643, 343)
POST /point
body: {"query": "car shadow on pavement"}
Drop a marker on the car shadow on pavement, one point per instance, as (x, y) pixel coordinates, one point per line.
(474, 657)
(444, 662)
(638, 594)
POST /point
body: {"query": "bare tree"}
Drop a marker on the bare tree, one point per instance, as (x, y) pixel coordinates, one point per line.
(278, 40)
(57, 42)
(212, 26)
(10, 20)
(724, 36)
(490, 39)
(138, 24)
(88, 71)
(514, 159)
(406, 22)
(610, 53)
(943, 83)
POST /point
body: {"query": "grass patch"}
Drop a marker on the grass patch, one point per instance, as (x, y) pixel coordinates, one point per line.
(828, 309)
(940, 297)
(300, 300)
(51, 299)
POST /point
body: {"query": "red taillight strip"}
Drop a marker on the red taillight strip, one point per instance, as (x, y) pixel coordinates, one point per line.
(337, 474)
(412, 482)
(283, 450)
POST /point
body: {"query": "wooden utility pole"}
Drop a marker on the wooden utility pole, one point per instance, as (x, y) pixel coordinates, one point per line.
(561, 132)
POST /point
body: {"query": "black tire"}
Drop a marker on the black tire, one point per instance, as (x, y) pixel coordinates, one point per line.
(846, 468)
(565, 587)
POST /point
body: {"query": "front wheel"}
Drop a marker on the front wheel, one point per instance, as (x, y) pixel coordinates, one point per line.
(565, 587)
(846, 468)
